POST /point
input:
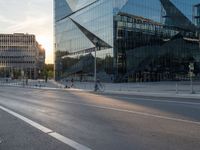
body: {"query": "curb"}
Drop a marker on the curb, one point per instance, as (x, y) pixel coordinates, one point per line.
(163, 95)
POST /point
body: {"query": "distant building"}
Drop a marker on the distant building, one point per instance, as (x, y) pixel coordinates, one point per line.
(41, 58)
(135, 40)
(20, 55)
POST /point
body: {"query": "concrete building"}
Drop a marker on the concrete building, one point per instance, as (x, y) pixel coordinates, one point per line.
(20, 56)
(135, 40)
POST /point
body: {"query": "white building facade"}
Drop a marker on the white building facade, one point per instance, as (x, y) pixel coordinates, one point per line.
(20, 55)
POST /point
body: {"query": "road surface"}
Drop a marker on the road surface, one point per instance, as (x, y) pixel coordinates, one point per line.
(97, 121)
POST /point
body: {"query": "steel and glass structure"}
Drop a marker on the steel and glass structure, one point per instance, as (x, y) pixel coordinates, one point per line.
(196, 12)
(136, 40)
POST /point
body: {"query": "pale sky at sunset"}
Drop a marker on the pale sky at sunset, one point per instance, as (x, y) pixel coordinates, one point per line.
(29, 16)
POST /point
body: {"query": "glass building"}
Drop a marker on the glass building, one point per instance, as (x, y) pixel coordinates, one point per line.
(196, 11)
(135, 40)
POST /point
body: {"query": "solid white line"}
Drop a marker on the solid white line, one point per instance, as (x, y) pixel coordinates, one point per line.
(153, 100)
(32, 123)
(68, 141)
(48, 131)
(134, 112)
(130, 111)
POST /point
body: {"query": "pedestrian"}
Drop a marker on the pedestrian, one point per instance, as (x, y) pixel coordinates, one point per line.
(26, 80)
(72, 82)
(98, 85)
(46, 78)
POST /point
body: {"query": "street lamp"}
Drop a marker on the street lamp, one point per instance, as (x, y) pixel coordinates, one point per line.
(191, 69)
(95, 64)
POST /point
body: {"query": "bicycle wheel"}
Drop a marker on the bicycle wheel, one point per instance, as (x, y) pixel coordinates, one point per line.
(102, 88)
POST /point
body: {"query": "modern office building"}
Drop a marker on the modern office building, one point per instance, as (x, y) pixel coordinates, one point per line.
(20, 55)
(196, 12)
(135, 40)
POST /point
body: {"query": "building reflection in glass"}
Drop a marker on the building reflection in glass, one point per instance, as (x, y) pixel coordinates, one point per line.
(138, 40)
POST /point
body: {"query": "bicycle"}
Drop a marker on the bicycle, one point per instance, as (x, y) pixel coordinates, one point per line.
(99, 87)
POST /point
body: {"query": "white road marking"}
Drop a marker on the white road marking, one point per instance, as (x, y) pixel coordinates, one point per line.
(48, 131)
(153, 100)
(134, 112)
(68, 141)
(34, 124)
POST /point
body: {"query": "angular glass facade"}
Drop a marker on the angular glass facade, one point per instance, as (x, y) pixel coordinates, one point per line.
(196, 11)
(135, 40)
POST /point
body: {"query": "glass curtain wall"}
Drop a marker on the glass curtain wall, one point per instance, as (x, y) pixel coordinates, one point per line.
(196, 11)
(156, 41)
(74, 50)
(136, 40)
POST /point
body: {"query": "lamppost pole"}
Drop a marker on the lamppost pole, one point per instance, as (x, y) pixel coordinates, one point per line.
(95, 65)
(191, 68)
(95, 68)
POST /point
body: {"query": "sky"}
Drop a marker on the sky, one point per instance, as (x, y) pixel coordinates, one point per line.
(36, 17)
(29, 16)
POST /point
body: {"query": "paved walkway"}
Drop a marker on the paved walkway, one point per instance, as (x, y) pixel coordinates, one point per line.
(166, 89)
(160, 89)
(50, 84)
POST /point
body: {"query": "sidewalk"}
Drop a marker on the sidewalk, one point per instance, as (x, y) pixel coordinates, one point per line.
(158, 89)
(50, 84)
(181, 89)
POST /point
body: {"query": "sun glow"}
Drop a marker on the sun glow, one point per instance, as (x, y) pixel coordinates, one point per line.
(47, 45)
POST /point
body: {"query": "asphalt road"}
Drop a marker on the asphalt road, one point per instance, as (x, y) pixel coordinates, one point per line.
(103, 121)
